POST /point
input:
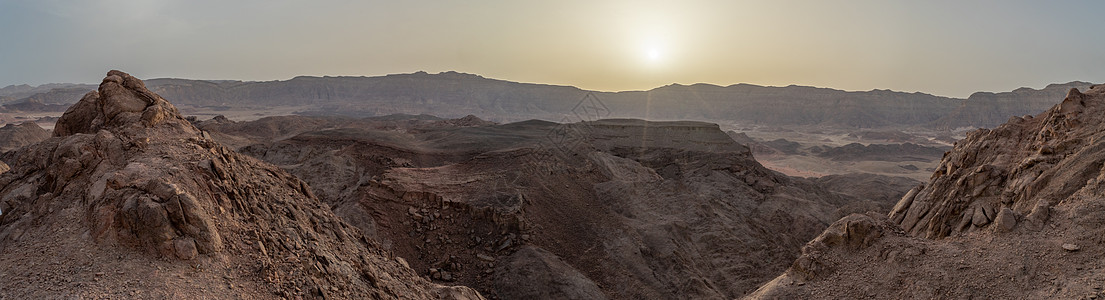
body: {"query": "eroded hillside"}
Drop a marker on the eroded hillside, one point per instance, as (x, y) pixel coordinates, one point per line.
(129, 200)
(1013, 212)
(616, 208)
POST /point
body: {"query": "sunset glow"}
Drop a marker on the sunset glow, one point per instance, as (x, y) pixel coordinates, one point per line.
(856, 45)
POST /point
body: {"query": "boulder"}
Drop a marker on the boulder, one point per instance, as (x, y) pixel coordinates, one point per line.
(1006, 220)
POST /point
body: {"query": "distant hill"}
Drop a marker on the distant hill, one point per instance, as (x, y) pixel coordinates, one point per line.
(453, 94)
(18, 92)
(985, 109)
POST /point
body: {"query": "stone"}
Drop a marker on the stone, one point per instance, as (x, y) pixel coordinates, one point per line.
(1006, 220)
(980, 218)
(1038, 217)
(185, 248)
(506, 244)
(1071, 247)
(81, 117)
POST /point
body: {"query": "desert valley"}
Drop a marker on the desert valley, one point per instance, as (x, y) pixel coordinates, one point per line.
(501, 150)
(178, 188)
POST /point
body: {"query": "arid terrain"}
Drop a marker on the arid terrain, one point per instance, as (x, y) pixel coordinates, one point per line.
(815, 118)
(129, 200)
(1012, 212)
(456, 186)
(634, 208)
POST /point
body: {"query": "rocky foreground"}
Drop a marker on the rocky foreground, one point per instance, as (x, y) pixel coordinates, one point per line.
(129, 200)
(1013, 212)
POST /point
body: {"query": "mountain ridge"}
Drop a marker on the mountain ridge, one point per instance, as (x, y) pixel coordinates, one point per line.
(504, 101)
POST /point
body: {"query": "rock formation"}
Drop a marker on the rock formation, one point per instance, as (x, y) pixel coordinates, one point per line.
(1013, 212)
(129, 200)
(1025, 165)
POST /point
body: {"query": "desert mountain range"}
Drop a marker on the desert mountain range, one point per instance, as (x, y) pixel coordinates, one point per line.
(453, 95)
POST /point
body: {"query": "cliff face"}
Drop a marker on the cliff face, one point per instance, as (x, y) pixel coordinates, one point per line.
(984, 109)
(618, 208)
(1011, 212)
(130, 200)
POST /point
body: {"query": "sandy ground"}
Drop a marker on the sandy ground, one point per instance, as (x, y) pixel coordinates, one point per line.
(808, 165)
(241, 114)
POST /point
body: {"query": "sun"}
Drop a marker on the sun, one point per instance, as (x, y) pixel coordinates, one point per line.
(653, 54)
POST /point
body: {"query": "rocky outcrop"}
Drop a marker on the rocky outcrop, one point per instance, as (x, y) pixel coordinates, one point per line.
(138, 203)
(1012, 169)
(1010, 213)
(851, 233)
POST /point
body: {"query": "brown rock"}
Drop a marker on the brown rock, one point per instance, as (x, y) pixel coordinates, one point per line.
(121, 100)
(185, 248)
(1039, 214)
(1006, 220)
(980, 217)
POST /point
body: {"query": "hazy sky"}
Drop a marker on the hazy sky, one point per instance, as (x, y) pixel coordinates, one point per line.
(947, 48)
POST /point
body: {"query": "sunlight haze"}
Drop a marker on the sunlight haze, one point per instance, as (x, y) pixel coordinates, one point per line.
(950, 48)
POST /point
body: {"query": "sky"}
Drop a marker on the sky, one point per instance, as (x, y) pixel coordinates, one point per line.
(948, 48)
